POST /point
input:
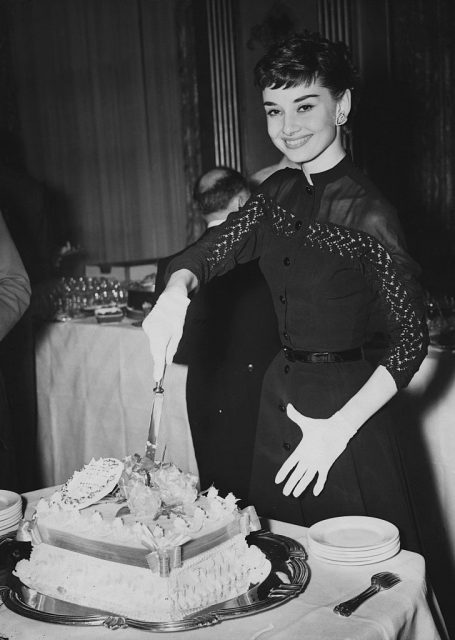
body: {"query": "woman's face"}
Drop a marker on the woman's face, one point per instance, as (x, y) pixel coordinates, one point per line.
(301, 124)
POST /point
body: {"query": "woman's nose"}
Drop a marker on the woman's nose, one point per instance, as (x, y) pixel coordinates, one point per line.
(290, 125)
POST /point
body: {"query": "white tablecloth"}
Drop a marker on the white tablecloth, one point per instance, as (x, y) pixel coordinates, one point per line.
(428, 415)
(402, 613)
(94, 390)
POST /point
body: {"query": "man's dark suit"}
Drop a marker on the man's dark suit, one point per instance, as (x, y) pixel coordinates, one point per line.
(230, 337)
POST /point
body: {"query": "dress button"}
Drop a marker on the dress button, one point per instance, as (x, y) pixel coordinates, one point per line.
(298, 225)
(287, 368)
(250, 367)
(287, 261)
(285, 335)
(309, 190)
(286, 446)
(282, 407)
(283, 299)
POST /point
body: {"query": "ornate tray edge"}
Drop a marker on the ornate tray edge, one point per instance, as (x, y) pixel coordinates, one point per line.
(295, 559)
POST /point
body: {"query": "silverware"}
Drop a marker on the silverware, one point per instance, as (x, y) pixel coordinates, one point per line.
(155, 419)
(379, 582)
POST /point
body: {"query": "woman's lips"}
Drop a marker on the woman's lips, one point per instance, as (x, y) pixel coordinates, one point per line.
(296, 143)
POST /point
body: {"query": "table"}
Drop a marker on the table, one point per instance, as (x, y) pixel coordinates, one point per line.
(94, 399)
(401, 613)
(94, 396)
(425, 422)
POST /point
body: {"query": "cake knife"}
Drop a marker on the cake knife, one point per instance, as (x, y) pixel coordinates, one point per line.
(155, 419)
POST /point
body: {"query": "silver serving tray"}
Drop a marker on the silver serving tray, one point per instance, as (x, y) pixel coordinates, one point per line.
(288, 577)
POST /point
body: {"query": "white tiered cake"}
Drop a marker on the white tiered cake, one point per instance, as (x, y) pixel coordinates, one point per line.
(167, 553)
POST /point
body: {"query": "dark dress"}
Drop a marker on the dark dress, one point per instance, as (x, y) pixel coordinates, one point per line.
(331, 253)
(229, 338)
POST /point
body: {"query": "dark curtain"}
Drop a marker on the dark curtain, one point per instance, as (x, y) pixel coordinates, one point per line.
(99, 99)
(407, 129)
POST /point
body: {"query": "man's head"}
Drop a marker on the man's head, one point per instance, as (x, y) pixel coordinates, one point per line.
(219, 192)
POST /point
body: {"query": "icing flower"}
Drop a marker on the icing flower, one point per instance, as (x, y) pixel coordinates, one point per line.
(143, 500)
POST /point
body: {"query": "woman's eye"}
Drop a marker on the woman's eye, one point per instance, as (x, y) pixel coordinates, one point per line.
(272, 112)
(305, 107)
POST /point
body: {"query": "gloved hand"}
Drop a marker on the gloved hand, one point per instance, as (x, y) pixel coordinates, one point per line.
(164, 327)
(323, 441)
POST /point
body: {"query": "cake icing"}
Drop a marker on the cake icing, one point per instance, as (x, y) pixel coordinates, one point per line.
(165, 554)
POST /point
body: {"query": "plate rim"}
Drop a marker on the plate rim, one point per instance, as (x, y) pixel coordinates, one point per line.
(17, 499)
(313, 531)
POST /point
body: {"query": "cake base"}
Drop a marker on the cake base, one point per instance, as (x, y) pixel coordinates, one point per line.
(289, 576)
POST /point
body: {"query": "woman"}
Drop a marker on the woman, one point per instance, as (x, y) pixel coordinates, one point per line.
(331, 249)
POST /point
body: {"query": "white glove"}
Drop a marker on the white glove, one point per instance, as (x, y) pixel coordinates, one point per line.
(164, 327)
(323, 441)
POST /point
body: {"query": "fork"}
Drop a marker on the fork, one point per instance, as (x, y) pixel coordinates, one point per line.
(379, 582)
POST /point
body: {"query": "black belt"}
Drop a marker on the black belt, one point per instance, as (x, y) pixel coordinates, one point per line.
(323, 356)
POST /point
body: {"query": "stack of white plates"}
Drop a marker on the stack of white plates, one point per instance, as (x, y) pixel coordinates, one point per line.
(10, 511)
(353, 540)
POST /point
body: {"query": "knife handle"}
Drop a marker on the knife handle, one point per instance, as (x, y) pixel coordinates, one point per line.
(158, 388)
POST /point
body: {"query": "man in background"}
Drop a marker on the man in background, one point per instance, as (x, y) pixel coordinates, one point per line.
(230, 337)
(14, 300)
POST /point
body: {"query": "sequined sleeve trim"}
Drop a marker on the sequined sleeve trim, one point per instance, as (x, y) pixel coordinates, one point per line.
(237, 227)
(240, 224)
(408, 331)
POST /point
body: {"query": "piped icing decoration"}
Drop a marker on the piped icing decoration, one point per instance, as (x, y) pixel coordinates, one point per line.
(89, 485)
(182, 555)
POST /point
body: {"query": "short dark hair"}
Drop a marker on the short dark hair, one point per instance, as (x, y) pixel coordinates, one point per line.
(303, 59)
(218, 193)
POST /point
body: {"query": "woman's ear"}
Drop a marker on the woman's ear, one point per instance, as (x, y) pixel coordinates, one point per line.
(239, 200)
(343, 107)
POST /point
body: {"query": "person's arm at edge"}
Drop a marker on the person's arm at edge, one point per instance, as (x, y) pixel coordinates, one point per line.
(14, 283)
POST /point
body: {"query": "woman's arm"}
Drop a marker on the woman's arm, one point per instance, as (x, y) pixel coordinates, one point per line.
(164, 324)
(182, 280)
(391, 274)
(325, 439)
(236, 241)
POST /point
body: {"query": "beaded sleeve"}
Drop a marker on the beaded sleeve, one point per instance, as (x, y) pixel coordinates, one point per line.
(397, 289)
(238, 240)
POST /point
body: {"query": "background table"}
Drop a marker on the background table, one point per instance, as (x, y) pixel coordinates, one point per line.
(401, 613)
(94, 394)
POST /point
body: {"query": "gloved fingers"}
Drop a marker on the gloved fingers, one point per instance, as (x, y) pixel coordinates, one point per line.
(158, 347)
(305, 481)
(159, 362)
(163, 327)
(320, 482)
(296, 476)
(170, 350)
(287, 466)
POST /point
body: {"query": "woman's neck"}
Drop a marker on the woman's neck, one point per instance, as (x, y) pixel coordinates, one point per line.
(329, 158)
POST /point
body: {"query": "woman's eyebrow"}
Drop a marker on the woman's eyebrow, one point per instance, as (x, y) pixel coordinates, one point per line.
(297, 100)
(305, 97)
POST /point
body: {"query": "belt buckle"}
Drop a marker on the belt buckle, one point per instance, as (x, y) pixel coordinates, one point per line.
(320, 356)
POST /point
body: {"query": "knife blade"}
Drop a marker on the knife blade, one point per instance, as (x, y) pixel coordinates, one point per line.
(155, 419)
